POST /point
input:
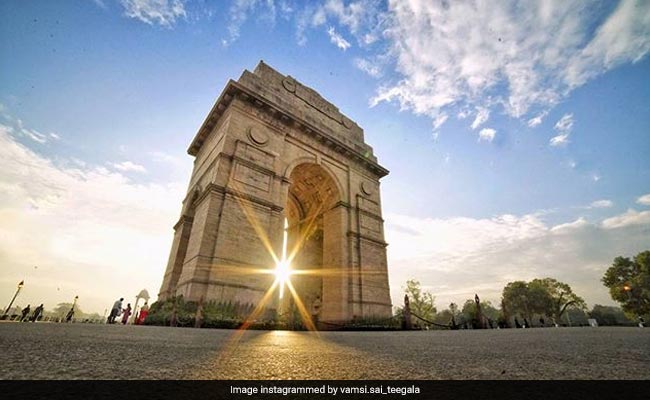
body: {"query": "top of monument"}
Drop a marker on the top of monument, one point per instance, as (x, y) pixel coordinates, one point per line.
(292, 101)
(307, 103)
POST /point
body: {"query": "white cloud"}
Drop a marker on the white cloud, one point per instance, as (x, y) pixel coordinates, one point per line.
(601, 204)
(559, 140)
(126, 166)
(624, 37)
(337, 39)
(34, 135)
(536, 120)
(570, 226)
(100, 4)
(438, 120)
(241, 9)
(92, 232)
(644, 200)
(357, 16)
(523, 54)
(368, 67)
(457, 257)
(563, 126)
(18, 127)
(631, 217)
(486, 134)
(162, 12)
(482, 115)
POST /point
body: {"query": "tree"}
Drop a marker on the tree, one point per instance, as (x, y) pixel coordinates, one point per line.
(470, 313)
(422, 303)
(629, 283)
(561, 297)
(546, 296)
(609, 316)
(521, 298)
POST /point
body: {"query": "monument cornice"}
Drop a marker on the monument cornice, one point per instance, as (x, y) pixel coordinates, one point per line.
(234, 88)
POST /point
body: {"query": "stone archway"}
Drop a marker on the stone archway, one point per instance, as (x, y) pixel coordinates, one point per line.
(273, 149)
(311, 214)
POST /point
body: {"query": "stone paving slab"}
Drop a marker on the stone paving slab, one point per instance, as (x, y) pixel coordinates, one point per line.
(81, 351)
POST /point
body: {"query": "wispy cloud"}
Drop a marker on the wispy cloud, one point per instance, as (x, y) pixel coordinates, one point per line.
(240, 10)
(482, 115)
(16, 126)
(368, 67)
(644, 200)
(161, 12)
(536, 120)
(128, 166)
(487, 135)
(100, 4)
(563, 127)
(601, 204)
(629, 218)
(524, 55)
(337, 39)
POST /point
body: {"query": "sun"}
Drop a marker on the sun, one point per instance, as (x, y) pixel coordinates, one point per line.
(283, 266)
(282, 275)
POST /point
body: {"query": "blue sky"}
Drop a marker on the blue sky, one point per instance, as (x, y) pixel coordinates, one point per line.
(517, 134)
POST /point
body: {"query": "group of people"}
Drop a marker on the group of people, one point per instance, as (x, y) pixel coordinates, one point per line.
(125, 313)
(25, 317)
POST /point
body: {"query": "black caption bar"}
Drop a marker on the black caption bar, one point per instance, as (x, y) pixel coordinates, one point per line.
(333, 390)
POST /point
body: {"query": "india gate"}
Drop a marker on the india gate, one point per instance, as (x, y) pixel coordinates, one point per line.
(281, 174)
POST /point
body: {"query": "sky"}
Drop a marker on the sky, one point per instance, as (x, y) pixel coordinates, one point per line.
(516, 133)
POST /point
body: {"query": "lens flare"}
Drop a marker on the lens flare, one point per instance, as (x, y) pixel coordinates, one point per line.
(283, 268)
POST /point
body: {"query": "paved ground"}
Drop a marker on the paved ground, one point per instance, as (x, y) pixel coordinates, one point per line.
(78, 351)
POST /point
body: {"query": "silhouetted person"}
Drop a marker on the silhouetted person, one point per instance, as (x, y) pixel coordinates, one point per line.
(406, 323)
(37, 313)
(526, 324)
(24, 313)
(453, 323)
(541, 321)
(68, 317)
(641, 322)
(115, 311)
(126, 313)
(517, 324)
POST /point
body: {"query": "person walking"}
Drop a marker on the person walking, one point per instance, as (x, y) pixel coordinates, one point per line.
(126, 313)
(24, 313)
(115, 311)
(144, 311)
(37, 313)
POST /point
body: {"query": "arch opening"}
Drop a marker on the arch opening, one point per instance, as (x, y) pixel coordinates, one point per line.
(312, 194)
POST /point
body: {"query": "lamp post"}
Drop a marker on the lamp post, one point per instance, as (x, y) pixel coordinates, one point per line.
(20, 286)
